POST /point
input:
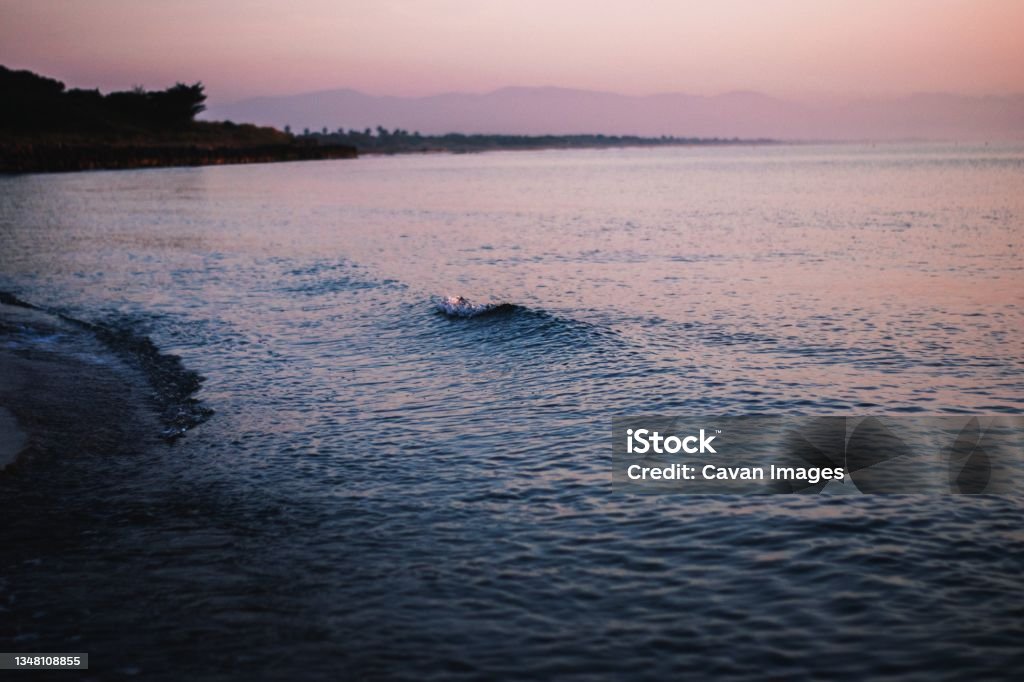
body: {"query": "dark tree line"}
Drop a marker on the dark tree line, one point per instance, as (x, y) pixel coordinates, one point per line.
(44, 127)
(29, 102)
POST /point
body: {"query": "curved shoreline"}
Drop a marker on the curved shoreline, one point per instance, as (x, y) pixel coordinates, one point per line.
(68, 386)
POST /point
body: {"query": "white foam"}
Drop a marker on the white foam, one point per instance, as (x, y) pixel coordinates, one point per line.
(460, 306)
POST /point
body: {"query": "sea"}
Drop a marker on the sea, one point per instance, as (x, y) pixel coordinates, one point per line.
(376, 488)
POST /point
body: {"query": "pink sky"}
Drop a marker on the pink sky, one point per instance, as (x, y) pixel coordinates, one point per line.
(781, 47)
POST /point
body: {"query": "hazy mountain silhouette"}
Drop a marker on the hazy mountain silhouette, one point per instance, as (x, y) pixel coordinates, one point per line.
(534, 111)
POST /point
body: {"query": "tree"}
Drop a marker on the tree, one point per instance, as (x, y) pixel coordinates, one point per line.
(182, 102)
(175, 107)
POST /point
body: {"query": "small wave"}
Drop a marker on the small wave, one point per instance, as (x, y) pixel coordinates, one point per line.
(517, 329)
(460, 306)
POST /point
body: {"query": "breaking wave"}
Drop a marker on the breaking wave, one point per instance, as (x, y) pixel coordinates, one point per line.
(460, 306)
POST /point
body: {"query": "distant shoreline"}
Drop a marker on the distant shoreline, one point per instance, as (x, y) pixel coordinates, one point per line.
(398, 141)
(582, 147)
(58, 158)
(28, 157)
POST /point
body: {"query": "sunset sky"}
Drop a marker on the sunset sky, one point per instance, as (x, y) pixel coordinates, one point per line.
(781, 47)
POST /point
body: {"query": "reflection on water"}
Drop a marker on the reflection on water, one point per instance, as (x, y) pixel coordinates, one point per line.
(392, 490)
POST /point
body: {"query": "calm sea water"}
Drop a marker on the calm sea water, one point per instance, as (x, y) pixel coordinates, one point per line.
(385, 491)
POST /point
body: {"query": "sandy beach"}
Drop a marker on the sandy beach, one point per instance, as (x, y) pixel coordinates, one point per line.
(12, 438)
(63, 392)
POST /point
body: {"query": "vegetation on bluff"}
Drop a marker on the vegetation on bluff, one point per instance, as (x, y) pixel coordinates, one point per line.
(37, 103)
(46, 127)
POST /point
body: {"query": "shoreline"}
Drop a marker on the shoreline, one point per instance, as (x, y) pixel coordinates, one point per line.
(28, 157)
(63, 394)
(70, 388)
(50, 159)
(567, 148)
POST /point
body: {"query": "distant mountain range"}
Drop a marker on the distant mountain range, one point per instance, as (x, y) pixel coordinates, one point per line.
(560, 111)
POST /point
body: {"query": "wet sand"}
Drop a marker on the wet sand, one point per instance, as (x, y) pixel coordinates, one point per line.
(12, 438)
(73, 417)
(62, 392)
